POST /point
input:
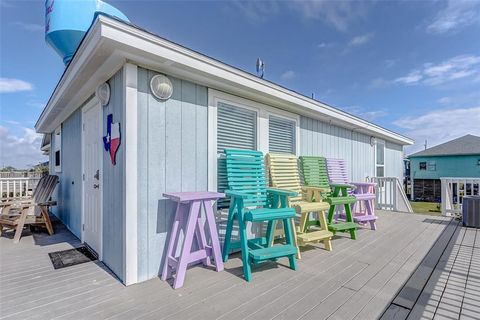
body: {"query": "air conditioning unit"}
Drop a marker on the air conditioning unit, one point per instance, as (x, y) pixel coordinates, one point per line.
(471, 211)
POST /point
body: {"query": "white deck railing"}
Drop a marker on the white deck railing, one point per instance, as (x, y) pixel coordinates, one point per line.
(453, 191)
(390, 195)
(17, 187)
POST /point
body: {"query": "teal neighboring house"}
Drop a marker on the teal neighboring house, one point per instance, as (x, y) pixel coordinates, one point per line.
(456, 158)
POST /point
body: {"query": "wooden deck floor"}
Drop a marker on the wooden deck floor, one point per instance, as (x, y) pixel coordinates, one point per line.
(413, 266)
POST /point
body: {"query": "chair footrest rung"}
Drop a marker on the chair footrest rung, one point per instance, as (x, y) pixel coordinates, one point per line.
(342, 226)
(274, 252)
(314, 236)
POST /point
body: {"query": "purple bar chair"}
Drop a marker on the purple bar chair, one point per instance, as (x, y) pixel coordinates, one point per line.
(364, 209)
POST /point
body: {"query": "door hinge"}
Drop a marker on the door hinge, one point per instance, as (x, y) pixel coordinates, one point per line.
(83, 126)
(83, 226)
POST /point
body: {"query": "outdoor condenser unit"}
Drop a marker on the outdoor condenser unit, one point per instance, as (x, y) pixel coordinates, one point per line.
(471, 211)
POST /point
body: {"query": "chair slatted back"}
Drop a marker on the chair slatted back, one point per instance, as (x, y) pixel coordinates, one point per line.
(284, 174)
(315, 171)
(337, 171)
(246, 173)
(44, 188)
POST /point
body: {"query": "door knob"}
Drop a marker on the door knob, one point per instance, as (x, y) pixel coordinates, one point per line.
(97, 175)
(96, 186)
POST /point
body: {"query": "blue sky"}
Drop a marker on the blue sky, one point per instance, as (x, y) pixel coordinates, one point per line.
(412, 67)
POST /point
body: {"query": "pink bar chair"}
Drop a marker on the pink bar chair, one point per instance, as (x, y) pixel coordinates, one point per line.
(364, 209)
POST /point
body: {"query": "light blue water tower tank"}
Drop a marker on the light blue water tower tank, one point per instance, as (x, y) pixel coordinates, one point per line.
(67, 21)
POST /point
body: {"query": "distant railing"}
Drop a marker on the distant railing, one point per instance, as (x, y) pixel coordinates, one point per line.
(390, 195)
(17, 187)
(453, 191)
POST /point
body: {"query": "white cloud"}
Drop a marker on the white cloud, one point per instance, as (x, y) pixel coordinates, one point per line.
(28, 26)
(323, 45)
(360, 40)
(378, 83)
(288, 75)
(459, 67)
(14, 85)
(439, 126)
(369, 115)
(20, 151)
(445, 100)
(338, 14)
(257, 10)
(458, 14)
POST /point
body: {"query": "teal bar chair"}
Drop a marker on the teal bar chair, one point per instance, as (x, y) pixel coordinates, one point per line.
(251, 200)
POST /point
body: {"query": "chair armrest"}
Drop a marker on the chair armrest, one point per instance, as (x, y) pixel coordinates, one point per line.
(47, 203)
(282, 192)
(342, 185)
(366, 184)
(238, 194)
(306, 188)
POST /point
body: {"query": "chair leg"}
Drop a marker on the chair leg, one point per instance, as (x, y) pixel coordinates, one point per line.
(289, 238)
(331, 211)
(228, 232)
(328, 244)
(247, 270)
(303, 222)
(272, 225)
(295, 238)
(46, 218)
(20, 224)
(369, 208)
(348, 213)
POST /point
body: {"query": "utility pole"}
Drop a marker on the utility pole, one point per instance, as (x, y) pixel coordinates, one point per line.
(425, 145)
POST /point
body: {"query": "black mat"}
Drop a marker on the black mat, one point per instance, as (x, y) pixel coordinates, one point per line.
(71, 257)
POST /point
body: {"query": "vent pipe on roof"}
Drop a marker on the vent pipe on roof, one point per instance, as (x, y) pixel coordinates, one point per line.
(66, 22)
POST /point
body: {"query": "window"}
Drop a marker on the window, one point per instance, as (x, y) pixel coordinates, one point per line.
(239, 123)
(380, 158)
(432, 166)
(423, 165)
(236, 129)
(281, 135)
(58, 149)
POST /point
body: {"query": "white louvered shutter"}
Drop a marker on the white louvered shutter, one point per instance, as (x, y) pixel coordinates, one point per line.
(281, 135)
(236, 129)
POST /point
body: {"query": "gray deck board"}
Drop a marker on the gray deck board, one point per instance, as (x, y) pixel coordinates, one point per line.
(357, 280)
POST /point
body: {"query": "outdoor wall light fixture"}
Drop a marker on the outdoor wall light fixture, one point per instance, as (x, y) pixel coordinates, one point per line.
(161, 87)
(103, 93)
(373, 141)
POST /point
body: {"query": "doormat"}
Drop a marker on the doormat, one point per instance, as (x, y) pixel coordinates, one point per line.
(71, 257)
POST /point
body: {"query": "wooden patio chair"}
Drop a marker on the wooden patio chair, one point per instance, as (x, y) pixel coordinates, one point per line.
(284, 174)
(363, 210)
(252, 201)
(315, 174)
(33, 211)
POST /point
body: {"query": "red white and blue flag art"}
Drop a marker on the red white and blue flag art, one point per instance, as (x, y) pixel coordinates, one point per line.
(111, 141)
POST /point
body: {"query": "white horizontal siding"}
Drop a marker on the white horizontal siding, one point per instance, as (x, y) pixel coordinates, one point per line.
(318, 138)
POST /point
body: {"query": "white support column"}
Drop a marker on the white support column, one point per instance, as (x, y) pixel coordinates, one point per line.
(130, 186)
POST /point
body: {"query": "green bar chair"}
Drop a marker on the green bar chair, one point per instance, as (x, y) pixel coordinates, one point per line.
(250, 200)
(315, 174)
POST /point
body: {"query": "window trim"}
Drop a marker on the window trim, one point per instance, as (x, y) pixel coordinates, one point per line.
(263, 114)
(57, 148)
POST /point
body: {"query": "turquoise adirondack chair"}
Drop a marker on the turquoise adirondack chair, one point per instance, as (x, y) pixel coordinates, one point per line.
(252, 201)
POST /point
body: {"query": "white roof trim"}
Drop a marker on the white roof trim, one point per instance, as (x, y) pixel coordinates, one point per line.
(145, 49)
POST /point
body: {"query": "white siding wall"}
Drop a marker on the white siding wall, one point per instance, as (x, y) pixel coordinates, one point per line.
(318, 138)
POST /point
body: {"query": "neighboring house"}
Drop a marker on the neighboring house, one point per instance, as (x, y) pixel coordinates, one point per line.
(174, 144)
(456, 158)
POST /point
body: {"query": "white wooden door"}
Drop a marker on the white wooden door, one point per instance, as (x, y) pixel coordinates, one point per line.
(92, 181)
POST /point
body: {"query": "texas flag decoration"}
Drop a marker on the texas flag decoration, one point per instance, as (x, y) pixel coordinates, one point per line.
(111, 141)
